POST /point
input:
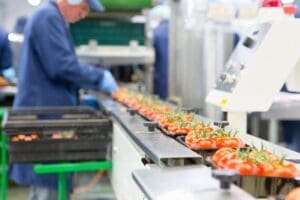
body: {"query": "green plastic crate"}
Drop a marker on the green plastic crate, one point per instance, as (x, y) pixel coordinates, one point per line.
(107, 32)
(125, 5)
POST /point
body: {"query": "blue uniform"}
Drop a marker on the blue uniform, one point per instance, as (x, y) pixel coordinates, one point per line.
(49, 75)
(5, 51)
(161, 45)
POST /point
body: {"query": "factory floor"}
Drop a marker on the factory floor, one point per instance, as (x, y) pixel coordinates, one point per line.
(91, 186)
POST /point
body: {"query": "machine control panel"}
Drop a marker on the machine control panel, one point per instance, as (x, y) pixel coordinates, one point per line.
(258, 67)
(241, 56)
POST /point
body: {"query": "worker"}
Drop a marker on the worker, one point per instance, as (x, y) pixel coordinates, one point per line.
(50, 74)
(20, 25)
(161, 46)
(5, 51)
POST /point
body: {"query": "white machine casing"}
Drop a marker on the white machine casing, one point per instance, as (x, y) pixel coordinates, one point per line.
(258, 67)
(293, 82)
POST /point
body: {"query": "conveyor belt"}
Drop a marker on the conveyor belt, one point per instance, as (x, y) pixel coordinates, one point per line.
(136, 130)
(161, 149)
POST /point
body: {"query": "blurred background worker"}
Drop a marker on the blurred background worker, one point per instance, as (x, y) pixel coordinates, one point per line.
(50, 74)
(5, 51)
(161, 14)
(20, 24)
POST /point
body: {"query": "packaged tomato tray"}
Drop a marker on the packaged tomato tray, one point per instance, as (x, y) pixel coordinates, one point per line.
(51, 134)
(206, 139)
(261, 173)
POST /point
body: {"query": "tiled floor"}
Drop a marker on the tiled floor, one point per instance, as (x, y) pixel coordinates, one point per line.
(17, 193)
(100, 189)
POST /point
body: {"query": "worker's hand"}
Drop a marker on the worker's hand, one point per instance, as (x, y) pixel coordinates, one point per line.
(108, 83)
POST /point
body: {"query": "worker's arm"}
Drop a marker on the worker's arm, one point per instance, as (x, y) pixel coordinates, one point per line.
(58, 58)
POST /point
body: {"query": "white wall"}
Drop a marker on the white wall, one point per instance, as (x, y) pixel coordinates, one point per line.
(10, 10)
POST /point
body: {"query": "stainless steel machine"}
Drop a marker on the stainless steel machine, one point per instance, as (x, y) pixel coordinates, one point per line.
(195, 183)
(198, 49)
(186, 52)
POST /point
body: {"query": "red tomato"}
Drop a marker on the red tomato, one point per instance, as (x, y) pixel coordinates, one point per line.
(290, 165)
(222, 163)
(232, 164)
(283, 172)
(200, 143)
(245, 168)
(228, 142)
(206, 144)
(220, 153)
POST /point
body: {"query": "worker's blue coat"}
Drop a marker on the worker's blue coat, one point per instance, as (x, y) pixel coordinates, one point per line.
(161, 43)
(49, 75)
(5, 51)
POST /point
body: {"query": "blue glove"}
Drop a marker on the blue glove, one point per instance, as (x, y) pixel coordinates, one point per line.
(108, 83)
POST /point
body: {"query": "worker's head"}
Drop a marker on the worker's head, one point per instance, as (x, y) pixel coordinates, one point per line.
(75, 10)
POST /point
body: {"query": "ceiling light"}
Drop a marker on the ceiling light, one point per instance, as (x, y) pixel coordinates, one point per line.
(34, 2)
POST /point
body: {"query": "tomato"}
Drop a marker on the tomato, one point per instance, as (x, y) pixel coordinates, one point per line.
(290, 165)
(283, 172)
(226, 142)
(222, 162)
(15, 139)
(199, 143)
(172, 128)
(259, 169)
(206, 144)
(231, 142)
(246, 168)
(220, 153)
(232, 164)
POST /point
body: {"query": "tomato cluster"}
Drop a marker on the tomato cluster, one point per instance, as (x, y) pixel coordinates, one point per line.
(22, 137)
(207, 137)
(253, 161)
(175, 122)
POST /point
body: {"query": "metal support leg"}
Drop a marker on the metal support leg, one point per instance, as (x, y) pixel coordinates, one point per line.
(238, 121)
(273, 131)
(63, 168)
(3, 166)
(149, 78)
(62, 186)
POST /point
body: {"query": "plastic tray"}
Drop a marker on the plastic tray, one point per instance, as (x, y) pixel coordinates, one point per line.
(65, 112)
(263, 187)
(165, 131)
(92, 130)
(206, 153)
(45, 119)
